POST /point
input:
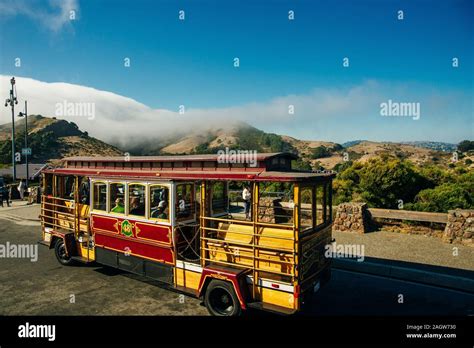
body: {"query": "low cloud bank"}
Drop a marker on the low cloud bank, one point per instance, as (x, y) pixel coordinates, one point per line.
(333, 114)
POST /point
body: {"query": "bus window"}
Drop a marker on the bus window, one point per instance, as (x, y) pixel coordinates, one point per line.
(240, 208)
(84, 191)
(328, 202)
(184, 201)
(159, 202)
(219, 197)
(117, 198)
(48, 184)
(99, 196)
(306, 210)
(320, 205)
(65, 187)
(136, 200)
(197, 197)
(276, 204)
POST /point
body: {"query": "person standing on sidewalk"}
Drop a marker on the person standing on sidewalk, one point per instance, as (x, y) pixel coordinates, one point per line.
(247, 196)
(4, 195)
(21, 189)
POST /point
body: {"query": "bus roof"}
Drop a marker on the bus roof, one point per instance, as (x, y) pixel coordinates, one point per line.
(260, 167)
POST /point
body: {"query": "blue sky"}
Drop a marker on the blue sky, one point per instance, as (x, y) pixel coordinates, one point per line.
(190, 62)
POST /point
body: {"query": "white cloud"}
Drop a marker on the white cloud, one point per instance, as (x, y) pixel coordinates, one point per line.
(322, 114)
(53, 15)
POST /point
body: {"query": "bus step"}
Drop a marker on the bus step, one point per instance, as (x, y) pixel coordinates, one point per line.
(183, 289)
(42, 242)
(271, 308)
(80, 259)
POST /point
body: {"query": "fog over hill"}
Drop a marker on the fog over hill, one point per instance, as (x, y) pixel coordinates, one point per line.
(321, 114)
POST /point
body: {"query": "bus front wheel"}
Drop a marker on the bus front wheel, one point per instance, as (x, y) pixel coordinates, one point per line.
(61, 253)
(220, 299)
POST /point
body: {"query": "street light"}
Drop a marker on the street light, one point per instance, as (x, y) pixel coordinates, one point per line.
(12, 101)
(25, 115)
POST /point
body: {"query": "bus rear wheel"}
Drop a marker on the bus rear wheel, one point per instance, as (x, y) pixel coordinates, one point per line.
(61, 253)
(220, 299)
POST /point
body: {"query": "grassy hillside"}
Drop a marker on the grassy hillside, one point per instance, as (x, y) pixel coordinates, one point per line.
(50, 139)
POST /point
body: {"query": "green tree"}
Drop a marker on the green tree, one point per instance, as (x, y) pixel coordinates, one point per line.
(466, 145)
(384, 182)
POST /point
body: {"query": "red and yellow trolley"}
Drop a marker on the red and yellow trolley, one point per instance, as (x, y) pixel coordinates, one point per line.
(236, 235)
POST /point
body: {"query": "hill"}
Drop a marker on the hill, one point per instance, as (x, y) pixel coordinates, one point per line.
(50, 139)
(239, 135)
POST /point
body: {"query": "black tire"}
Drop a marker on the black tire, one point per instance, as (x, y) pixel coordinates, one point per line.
(60, 252)
(221, 300)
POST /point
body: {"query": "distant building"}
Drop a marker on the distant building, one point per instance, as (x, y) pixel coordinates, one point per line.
(34, 171)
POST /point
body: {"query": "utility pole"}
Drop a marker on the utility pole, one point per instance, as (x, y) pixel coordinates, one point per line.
(12, 101)
(21, 114)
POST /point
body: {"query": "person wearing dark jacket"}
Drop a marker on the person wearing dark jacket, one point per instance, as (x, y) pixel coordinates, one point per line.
(4, 196)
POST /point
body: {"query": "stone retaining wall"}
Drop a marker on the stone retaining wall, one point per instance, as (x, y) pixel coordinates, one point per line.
(351, 217)
(355, 217)
(460, 227)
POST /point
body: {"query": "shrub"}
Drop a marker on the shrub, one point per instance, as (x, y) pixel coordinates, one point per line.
(444, 197)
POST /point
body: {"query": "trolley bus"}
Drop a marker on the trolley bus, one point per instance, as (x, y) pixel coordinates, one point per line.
(185, 222)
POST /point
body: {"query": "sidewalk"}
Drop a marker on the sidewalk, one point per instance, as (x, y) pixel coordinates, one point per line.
(410, 248)
(21, 212)
(408, 257)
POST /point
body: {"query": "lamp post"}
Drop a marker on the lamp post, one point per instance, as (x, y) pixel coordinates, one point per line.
(25, 114)
(12, 101)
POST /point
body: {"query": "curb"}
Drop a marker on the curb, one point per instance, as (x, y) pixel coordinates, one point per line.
(409, 274)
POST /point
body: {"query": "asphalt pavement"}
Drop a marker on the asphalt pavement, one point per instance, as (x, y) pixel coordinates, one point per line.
(45, 287)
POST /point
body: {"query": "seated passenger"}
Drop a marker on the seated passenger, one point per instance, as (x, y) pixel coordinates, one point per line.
(135, 207)
(164, 214)
(119, 207)
(159, 212)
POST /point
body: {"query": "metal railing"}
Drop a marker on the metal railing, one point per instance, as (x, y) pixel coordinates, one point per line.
(254, 252)
(63, 214)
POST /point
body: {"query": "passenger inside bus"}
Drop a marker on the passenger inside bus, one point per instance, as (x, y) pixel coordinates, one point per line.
(159, 202)
(163, 214)
(137, 207)
(119, 207)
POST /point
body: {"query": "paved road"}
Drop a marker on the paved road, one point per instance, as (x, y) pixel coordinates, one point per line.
(45, 287)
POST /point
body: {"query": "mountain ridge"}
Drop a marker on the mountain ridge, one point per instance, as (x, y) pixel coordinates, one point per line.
(52, 139)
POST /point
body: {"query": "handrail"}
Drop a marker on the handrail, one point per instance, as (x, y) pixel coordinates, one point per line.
(250, 223)
(249, 234)
(55, 210)
(216, 240)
